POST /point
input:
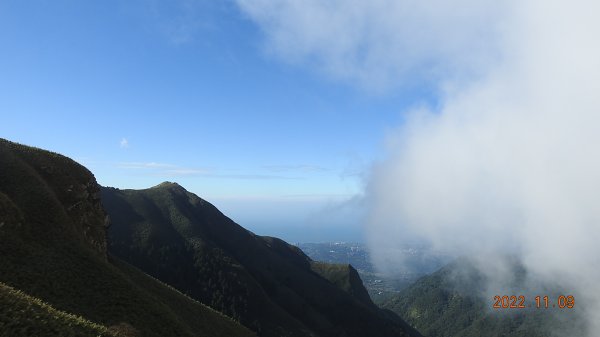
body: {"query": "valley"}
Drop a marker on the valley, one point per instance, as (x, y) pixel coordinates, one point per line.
(417, 261)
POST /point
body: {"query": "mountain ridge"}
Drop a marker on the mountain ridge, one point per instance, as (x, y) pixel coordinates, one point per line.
(240, 269)
(449, 303)
(149, 268)
(53, 249)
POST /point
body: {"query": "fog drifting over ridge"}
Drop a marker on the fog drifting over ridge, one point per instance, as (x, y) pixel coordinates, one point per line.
(509, 163)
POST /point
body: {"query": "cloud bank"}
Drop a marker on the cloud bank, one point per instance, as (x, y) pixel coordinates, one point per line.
(381, 43)
(509, 162)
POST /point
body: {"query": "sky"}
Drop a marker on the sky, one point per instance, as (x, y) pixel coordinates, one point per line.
(142, 92)
(469, 125)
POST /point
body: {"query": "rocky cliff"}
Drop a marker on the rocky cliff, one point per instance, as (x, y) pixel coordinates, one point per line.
(49, 197)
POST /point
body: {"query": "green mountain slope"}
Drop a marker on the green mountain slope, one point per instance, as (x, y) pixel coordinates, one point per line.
(345, 277)
(270, 286)
(23, 315)
(447, 304)
(53, 247)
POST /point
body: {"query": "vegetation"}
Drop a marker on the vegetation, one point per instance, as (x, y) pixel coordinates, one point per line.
(448, 303)
(417, 260)
(265, 283)
(53, 247)
(345, 277)
(23, 315)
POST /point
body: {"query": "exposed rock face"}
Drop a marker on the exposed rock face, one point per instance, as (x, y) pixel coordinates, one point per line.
(87, 214)
(51, 193)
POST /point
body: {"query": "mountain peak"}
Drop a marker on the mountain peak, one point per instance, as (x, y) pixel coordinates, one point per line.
(263, 282)
(169, 184)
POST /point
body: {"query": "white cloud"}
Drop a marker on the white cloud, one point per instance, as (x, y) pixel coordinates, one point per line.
(167, 170)
(124, 143)
(381, 43)
(171, 170)
(509, 162)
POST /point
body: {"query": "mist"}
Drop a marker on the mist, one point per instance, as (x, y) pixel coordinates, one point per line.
(381, 45)
(507, 163)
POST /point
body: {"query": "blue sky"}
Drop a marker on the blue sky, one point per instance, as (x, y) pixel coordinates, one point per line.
(469, 125)
(146, 91)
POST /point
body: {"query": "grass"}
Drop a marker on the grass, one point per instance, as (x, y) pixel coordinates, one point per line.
(112, 293)
(24, 315)
(53, 248)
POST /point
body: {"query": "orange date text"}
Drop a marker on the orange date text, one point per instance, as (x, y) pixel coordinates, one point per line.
(540, 302)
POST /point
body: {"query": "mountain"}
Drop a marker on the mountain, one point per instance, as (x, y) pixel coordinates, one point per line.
(32, 317)
(345, 277)
(268, 285)
(448, 303)
(417, 260)
(56, 276)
